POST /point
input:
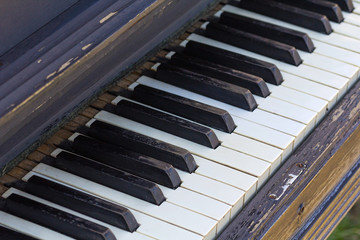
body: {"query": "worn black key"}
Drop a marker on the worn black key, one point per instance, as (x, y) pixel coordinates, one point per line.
(267, 71)
(126, 160)
(287, 13)
(81, 202)
(168, 123)
(184, 107)
(8, 234)
(107, 176)
(55, 219)
(345, 5)
(207, 86)
(178, 157)
(288, 36)
(255, 84)
(331, 10)
(254, 43)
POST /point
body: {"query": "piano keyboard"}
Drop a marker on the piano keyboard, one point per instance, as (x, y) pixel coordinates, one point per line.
(179, 153)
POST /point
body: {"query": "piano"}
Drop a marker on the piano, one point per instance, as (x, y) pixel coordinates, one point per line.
(167, 119)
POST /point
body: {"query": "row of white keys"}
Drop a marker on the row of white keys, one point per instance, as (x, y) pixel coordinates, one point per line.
(237, 142)
(308, 72)
(190, 224)
(118, 233)
(28, 228)
(334, 38)
(244, 163)
(258, 116)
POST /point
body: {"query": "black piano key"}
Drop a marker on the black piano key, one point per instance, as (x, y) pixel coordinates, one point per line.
(287, 13)
(55, 219)
(288, 36)
(254, 43)
(107, 176)
(132, 162)
(178, 157)
(267, 71)
(345, 5)
(8, 234)
(80, 202)
(207, 86)
(168, 123)
(331, 10)
(255, 84)
(184, 107)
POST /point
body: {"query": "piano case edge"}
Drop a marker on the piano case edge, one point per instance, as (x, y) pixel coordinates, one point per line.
(59, 98)
(309, 195)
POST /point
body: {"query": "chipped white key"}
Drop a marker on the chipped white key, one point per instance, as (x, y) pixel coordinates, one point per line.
(167, 212)
(29, 228)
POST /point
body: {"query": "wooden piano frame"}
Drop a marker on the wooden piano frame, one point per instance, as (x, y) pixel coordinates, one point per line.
(306, 198)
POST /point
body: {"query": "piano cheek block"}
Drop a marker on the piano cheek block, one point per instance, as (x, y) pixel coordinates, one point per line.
(57, 220)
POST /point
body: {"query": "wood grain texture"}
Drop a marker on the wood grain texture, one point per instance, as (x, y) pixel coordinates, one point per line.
(286, 204)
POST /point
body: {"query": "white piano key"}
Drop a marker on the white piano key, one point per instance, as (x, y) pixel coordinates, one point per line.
(222, 155)
(167, 212)
(251, 147)
(213, 188)
(304, 71)
(357, 7)
(29, 228)
(311, 88)
(332, 39)
(118, 233)
(162, 230)
(288, 110)
(329, 64)
(337, 53)
(264, 134)
(199, 203)
(302, 99)
(223, 174)
(347, 29)
(258, 116)
(351, 18)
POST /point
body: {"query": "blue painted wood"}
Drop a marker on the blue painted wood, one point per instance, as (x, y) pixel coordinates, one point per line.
(75, 71)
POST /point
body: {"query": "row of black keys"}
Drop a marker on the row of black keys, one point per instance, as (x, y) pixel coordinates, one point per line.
(233, 78)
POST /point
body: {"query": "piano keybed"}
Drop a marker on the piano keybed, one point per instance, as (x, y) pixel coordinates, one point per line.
(226, 176)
